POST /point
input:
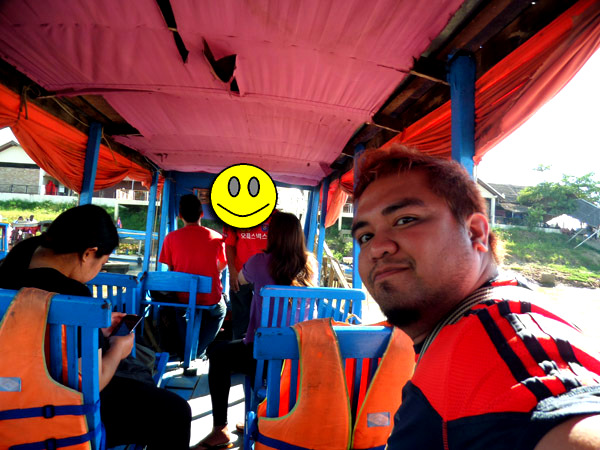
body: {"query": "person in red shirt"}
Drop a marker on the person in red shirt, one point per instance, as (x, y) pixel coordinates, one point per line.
(240, 245)
(198, 250)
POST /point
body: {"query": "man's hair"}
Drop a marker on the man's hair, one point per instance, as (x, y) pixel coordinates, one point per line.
(190, 208)
(447, 179)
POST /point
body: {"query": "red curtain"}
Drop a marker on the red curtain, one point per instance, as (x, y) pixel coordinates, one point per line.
(60, 149)
(513, 90)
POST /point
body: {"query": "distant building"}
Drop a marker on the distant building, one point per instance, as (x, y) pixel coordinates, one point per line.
(19, 174)
(508, 210)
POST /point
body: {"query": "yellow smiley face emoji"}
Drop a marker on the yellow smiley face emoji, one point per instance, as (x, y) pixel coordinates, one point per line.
(243, 196)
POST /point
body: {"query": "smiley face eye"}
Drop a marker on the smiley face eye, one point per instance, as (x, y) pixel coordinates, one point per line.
(233, 186)
(253, 186)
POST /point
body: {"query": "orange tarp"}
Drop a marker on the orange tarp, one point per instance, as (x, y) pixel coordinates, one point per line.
(59, 148)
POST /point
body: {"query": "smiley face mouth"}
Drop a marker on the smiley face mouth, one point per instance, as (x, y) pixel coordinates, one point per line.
(242, 215)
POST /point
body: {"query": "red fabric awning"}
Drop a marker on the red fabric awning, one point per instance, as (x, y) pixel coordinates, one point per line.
(60, 149)
(510, 92)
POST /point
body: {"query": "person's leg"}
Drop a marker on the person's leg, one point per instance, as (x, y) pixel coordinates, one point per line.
(240, 310)
(225, 358)
(137, 413)
(212, 320)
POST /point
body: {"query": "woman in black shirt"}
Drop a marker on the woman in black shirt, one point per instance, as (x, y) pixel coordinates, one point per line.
(71, 253)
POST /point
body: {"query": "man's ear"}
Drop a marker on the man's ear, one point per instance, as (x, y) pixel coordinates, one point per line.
(479, 230)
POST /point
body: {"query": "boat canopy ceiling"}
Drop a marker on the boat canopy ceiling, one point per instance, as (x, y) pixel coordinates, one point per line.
(291, 86)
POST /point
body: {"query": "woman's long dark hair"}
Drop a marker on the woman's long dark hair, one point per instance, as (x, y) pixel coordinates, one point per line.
(73, 231)
(290, 262)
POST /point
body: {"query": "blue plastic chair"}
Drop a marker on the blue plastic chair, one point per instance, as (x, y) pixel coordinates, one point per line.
(124, 294)
(121, 290)
(283, 306)
(180, 282)
(359, 343)
(81, 316)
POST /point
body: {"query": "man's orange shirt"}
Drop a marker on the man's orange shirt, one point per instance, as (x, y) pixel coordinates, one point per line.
(196, 249)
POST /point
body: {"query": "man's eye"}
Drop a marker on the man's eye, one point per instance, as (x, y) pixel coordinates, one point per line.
(364, 238)
(405, 220)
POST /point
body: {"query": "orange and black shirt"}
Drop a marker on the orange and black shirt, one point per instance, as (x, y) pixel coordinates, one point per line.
(498, 372)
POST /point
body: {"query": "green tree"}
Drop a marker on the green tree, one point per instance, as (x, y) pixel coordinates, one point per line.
(585, 187)
(554, 199)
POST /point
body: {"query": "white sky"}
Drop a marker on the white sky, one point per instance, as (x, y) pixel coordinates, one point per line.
(564, 134)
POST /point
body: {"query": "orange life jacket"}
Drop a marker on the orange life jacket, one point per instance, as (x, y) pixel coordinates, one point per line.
(35, 410)
(321, 418)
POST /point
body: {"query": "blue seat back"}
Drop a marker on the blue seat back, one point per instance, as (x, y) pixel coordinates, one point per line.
(286, 305)
(121, 290)
(179, 282)
(81, 316)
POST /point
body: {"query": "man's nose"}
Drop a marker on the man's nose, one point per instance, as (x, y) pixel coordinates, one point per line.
(381, 246)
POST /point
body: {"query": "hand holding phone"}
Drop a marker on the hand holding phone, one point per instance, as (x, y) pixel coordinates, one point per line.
(127, 325)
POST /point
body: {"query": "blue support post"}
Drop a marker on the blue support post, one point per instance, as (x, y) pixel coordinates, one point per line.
(150, 222)
(164, 216)
(461, 76)
(307, 217)
(173, 211)
(91, 164)
(321, 240)
(312, 226)
(356, 281)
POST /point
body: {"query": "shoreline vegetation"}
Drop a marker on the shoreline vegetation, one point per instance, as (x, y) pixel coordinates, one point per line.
(541, 257)
(550, 258)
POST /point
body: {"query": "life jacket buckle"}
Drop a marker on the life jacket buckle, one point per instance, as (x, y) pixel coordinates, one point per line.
(50, 444)
(48, 411)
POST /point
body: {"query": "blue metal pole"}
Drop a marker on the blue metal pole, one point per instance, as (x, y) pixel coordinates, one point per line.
(321, 240)
(91, 164)
(150, 222)
(164, 216)
(461, 76)
(307, 217)
(173, 211)
(312, 228)
(356, 281)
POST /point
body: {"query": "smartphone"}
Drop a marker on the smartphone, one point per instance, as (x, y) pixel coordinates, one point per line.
(127, 325)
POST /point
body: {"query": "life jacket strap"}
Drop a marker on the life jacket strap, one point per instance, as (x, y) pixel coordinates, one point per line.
(380, 447)
(276, 443)
(280, 445)
(49, 411)
(53, 444)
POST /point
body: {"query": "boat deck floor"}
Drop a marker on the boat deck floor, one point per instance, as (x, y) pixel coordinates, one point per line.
(195, 390)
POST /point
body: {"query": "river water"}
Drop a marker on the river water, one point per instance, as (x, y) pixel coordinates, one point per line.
(581, 306)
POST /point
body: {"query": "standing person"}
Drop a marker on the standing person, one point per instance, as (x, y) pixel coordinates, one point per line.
(198, 250)
(285, 261)
(62, 260)
(494, 369)
(240, 246)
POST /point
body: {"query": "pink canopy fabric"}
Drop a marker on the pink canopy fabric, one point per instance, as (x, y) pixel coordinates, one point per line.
(310, 72)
